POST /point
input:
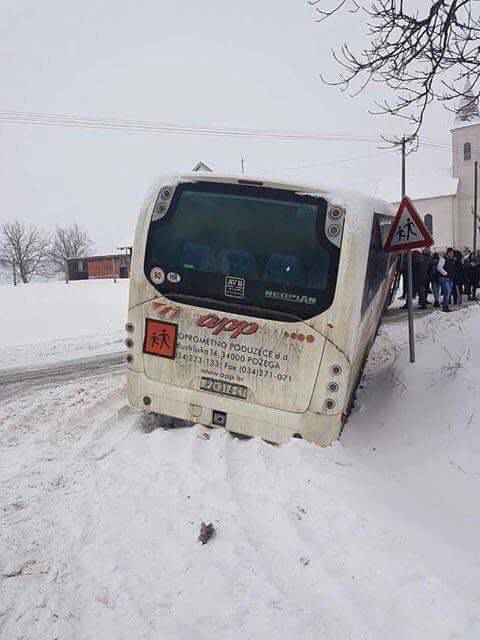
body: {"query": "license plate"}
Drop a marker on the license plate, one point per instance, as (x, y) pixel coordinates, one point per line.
(225, 388)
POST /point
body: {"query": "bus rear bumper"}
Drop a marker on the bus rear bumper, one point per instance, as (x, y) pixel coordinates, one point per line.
(270, 424)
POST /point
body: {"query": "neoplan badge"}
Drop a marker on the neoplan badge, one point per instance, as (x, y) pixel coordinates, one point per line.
(160, 338)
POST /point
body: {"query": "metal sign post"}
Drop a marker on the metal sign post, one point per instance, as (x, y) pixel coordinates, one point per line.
(411, 330)
(406, 233)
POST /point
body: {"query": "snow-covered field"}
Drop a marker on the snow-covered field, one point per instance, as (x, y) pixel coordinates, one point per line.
(54, 320)
(372, 538)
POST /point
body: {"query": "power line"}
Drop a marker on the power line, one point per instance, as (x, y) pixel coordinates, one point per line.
(395, 177)
(94, 122)
(444, 146)
(145, 126)
(82, 122)
(323, 164)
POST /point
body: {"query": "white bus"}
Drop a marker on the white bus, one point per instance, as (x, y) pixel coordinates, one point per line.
(253, 304)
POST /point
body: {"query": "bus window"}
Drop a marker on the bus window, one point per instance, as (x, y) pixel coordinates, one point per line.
(272, 240)
(379, 261)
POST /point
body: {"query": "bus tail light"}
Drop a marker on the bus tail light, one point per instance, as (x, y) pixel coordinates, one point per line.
(333, 230)
(129, 343)
(330, 393)
(335, 213)
(129, 327)
(334, 222)
(166, 193)
(129, 358)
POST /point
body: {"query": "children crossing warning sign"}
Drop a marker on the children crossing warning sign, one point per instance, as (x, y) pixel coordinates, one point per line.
(160, 338)
(407, 230)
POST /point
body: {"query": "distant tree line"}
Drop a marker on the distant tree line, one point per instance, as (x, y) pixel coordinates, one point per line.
(27, 250)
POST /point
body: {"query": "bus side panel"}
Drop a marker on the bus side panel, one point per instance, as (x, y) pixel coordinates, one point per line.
(366, 333)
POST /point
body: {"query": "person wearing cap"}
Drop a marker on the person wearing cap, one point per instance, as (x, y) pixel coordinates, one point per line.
(446, 269)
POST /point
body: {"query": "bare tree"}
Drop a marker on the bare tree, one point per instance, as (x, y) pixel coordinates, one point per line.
(419, 55)
(70, 241)
(24, 250)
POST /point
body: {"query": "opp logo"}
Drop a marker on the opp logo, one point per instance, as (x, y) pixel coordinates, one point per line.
(235, 327)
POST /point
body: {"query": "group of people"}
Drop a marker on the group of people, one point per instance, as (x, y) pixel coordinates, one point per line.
(452, 275)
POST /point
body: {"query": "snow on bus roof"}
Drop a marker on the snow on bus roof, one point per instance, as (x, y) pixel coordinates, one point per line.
(244, 178)
(310, 189)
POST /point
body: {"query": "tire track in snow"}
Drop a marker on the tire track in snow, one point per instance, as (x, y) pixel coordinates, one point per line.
(14, 380)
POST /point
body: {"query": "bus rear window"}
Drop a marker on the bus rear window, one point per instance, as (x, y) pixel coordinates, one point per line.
(229, 246)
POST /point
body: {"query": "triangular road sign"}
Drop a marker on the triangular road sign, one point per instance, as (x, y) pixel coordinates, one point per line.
(407, 230)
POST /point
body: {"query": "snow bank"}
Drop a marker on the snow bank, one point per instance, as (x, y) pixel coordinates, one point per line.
(393, 337)
(53, 318)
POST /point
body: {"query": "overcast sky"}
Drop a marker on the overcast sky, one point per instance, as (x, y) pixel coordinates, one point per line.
(248, 64)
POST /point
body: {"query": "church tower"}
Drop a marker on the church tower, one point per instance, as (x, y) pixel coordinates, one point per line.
(465, 150)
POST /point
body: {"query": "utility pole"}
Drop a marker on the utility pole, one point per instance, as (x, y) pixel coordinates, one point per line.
(113, 270)
(243, 165)
(411, 335)
(14, 268)
(475, 204)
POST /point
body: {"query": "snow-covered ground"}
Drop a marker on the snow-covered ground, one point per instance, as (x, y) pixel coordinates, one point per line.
(53, 320)
(374, 537)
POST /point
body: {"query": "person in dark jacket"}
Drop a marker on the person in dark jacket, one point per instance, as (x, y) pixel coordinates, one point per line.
(471, 272)
(434, 278)
(446, 269)
(419, 268)
(419, 277)
(458, 278)
(427, 253)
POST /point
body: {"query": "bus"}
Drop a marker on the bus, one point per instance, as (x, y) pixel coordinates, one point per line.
(253, 304)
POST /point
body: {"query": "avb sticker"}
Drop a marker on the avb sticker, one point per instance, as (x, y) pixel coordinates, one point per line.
(174, 277)
(234, 287)
(157, 275)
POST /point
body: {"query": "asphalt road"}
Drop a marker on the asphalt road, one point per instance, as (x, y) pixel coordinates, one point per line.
(96, 365)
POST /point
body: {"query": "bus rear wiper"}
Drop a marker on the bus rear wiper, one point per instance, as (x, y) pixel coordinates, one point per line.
(240, 309)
